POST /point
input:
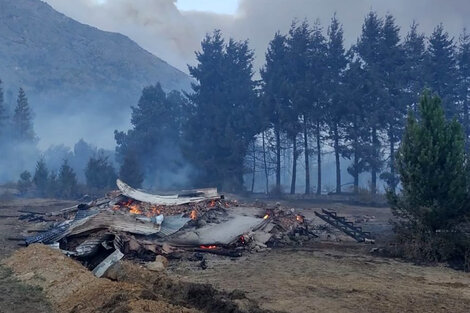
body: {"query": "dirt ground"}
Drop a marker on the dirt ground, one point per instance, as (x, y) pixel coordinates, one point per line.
(334, 276)
(327, 279)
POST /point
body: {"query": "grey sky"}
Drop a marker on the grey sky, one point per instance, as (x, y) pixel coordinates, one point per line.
(173, 35)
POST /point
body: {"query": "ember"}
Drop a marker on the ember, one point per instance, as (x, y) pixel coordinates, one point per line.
(134, 209)
(299, 218)
(266, 216)
(208, 247)
(193, 215)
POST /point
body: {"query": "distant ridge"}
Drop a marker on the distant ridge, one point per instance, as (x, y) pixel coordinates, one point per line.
(69, 67)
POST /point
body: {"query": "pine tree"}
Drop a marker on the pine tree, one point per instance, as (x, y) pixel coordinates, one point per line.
(53, 188)
(22, 119)
(157, 123)
(24, 183)
(224, 113)
(414, 49)
(357, 134)
(441, 68)
(432, 166)
(100, 173)
(130, 171)
(336, 109)
(41, 176)
(67, 181)
(463, 59)
(393, 102)
(369, 49)
(275, 94)
(299, 110)
(318, 98)
(3, 111)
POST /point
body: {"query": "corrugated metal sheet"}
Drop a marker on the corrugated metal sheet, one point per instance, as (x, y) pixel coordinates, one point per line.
(172, 224)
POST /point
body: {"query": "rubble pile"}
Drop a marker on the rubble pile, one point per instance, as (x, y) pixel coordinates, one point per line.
(132, 224)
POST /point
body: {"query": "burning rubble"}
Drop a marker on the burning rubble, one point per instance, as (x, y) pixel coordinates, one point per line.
(132, 224)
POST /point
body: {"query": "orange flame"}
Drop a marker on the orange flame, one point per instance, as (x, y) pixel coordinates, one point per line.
(209, 247)
(134, 209)
(153, 211)
(266, 216)
(193, 215)
(212, 204)
(299, 218)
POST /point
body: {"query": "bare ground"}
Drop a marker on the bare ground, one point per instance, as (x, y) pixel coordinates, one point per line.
(323, 277)
(327, 279)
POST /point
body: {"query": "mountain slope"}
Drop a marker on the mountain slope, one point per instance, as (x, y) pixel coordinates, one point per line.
(71, 69)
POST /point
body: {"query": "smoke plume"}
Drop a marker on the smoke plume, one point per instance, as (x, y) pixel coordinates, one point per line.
(158, 25)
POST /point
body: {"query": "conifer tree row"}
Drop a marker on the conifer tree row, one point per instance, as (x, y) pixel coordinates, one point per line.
(315, 97)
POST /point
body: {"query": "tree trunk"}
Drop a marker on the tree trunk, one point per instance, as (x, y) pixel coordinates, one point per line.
(374, 161)
(254, 168)
(466, 124)
(266, 173)
(307, 161)
(393, 184)
(356, 172)
(278, 160)
(294, 165)
(337, 159)
(318, 159)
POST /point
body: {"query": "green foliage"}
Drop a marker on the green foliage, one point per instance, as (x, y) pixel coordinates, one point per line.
(22, 120)
(24, 183)
(100, 174)
(433, 169)
(130, 171)
(53, 187)
(41, 177)
(463, 58)
(224, 112)
(433, 204)
(441, 67)
(67, 182)
(155, 136)
(3, 112)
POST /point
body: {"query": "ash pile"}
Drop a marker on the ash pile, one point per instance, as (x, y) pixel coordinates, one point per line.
(132, 224)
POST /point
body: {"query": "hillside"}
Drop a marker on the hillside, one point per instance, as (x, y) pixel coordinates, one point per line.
(67, 67)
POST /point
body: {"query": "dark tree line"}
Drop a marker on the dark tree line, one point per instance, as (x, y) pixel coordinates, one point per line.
(314, 97)
(18, 141)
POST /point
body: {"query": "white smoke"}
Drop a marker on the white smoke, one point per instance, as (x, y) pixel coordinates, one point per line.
(158, 25)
